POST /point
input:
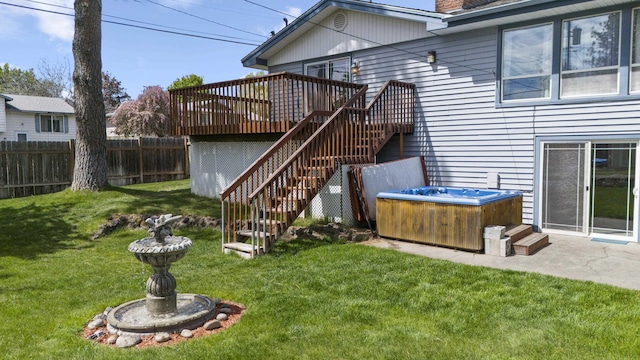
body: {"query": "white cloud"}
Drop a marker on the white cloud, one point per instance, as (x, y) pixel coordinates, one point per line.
(56, 26)
(180, 3)
(14, 19)
(293, 12)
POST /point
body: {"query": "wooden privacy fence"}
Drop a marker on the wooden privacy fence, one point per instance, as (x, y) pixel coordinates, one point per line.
(42, 167)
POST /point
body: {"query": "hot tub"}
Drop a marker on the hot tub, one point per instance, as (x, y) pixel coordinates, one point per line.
(446, 216)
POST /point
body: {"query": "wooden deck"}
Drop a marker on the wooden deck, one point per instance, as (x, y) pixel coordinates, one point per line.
(323, 123)
(267, 104)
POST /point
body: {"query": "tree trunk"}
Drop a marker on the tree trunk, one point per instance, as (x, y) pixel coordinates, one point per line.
(90, 171)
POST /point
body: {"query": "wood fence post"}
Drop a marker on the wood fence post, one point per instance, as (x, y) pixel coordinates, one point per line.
(140, 162)
(72, 158)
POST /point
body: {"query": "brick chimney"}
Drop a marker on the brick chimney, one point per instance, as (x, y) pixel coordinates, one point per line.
(446, 6)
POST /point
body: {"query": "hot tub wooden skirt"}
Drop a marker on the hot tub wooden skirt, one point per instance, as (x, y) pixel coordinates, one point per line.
(451, 225)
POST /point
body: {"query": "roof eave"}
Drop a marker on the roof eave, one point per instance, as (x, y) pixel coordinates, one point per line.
(254, 60)
(501, 11)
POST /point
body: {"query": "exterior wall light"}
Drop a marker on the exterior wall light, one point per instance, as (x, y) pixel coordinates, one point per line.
(355, 67)
(431, 57)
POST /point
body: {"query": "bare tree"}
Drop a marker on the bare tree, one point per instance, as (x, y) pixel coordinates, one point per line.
(90, 171)
(56, 79)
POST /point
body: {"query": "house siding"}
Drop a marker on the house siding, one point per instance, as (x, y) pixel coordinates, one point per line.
(324, 40)
(3, 116)
(20, 122)
(459, 130)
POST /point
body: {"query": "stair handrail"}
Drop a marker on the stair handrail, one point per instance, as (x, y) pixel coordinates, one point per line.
(271, 151)
(311, 139)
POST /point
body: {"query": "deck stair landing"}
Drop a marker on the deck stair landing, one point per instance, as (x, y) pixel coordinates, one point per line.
(524, 241)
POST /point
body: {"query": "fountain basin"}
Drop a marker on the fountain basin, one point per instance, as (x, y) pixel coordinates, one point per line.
(192, 311)
(149, 251)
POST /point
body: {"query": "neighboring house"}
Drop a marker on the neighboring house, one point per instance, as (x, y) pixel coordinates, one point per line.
(111, 129)
(36, 118)
(543, 95)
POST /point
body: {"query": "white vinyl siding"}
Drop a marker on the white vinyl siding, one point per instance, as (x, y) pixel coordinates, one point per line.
(323, 40)
(23, 122)
(3, 116)
(459, 130)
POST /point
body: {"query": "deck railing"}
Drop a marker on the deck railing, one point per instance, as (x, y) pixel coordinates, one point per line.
(265, 104)
(234, 196)
(266, 199)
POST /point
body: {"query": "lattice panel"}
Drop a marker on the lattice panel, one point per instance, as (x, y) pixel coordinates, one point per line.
(333, 201)
(218, 164)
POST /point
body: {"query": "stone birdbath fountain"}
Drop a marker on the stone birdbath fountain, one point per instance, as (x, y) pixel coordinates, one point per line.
(162, 310)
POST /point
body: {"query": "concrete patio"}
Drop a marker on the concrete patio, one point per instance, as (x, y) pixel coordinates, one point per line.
(571, 257)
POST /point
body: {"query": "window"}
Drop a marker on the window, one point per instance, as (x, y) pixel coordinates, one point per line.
(565, 59)
(635, 53)
(333, 69)
(51, 123)
(21, 137)
(526, 62)
(590, 55)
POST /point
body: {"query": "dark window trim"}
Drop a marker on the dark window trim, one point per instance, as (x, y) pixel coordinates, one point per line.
(624, 66)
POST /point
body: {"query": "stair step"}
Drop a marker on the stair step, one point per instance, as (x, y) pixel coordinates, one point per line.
(242, 249)
(270, 222)
(531, 244)
(277, 226)
(248, 233)
(280, 209)
(518, 232)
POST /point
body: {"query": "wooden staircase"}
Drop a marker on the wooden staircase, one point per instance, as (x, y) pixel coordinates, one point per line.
(265, 200)
(524, 241)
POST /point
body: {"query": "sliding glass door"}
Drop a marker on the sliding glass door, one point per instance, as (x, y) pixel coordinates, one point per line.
(612, 187)
(563, 187)
(589, 188)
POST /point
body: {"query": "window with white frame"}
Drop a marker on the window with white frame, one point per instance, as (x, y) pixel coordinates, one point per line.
(51, 123)
(338, 69)
(634, 85)
(590, 55)
(566, 59)
(526, 62)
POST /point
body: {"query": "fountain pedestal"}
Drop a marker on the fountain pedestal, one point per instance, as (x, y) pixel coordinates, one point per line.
(161, 295)
(162, 309)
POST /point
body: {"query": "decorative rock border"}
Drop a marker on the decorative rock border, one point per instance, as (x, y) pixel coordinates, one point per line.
(98, 331)
(137, 222)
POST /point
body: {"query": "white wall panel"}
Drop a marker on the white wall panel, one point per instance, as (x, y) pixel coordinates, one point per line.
(323, 40)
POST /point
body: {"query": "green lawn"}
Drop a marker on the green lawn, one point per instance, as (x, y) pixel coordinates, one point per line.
(306, 300)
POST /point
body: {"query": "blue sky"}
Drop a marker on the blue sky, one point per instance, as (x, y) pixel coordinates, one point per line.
(139, 57)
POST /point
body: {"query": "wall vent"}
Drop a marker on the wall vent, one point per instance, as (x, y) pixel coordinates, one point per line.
(340, 21)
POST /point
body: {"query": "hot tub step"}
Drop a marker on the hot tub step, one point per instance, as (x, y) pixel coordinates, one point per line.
(518, 232)
(530, 244)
